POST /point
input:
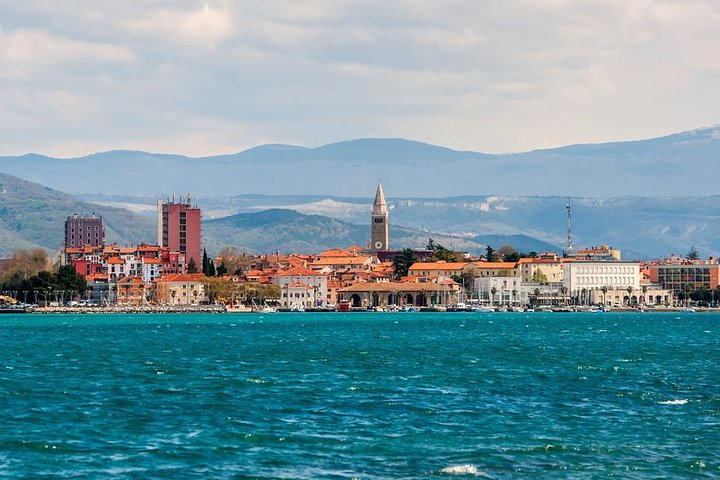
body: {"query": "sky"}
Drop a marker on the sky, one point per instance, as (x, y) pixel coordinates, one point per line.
(211, 77)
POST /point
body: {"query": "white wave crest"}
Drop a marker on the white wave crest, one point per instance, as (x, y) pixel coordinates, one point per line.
(467, 469)
(682, 401)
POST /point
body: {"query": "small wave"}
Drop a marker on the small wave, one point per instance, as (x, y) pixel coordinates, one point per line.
(682, 401)
(467, 469)
(255, 380)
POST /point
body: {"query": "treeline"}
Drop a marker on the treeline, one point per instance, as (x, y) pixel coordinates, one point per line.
(60, 285)
(223, 291)
(231, 262)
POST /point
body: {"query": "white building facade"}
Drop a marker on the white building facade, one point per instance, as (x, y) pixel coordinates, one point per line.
(582, 278)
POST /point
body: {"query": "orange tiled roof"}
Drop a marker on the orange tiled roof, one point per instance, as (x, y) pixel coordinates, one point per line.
(345, 260)
(495, 264)
(130, 279)
(155, 261)
(335, 252)
(299, 272)
(300, 285)
(181, 277)
(438, 266)
(116, 261)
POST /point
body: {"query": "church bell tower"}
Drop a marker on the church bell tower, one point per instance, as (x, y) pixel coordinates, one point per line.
(379, 235)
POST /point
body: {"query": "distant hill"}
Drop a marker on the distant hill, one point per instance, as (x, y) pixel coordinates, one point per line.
(674, 165)
(289, 231)
(32, 215)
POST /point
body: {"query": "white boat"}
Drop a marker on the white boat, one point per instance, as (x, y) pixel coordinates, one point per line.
(408, 308)
(240, 308)
(297, 307)
(482, 308)
(263, 309)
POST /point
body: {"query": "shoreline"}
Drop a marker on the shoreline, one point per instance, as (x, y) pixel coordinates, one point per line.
(221, 309)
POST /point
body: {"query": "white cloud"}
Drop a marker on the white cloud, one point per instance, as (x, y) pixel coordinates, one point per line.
(205, 26)
(201, 77)
(28, 53)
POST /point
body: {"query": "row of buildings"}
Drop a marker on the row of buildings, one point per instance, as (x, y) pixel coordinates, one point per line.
(364, 276)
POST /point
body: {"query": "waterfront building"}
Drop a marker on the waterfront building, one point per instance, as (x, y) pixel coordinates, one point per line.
(298, 294)
(682, 276)
(581, 278)
(366, 294)
(646, 295)
(82, 231)
(180, 289)
(547, 265)
(130, 291)
(179, 228)
(317, 281)
(379, 229)
(503, 290)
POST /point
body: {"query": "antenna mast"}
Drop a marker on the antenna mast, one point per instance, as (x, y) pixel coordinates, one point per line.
(569, 250)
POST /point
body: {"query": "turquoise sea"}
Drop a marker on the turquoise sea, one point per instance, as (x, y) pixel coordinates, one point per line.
(406, 395)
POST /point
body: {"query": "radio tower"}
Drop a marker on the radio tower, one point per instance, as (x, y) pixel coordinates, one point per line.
(569, 250)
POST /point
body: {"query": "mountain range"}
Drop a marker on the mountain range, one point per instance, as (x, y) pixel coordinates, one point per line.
(649, 198)
(675, 165)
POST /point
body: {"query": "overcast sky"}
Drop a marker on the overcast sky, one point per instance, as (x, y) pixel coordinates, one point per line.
(199, 78)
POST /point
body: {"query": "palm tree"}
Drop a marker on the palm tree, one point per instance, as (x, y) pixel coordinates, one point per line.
(514, 294)
(564, 291)
(173, 293)
(644, 291)
(493, 291)
(195, 294)
(629, 290)
(604, 289)
(537, 296)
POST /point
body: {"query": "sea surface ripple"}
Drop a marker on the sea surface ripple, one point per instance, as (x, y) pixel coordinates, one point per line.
(456, 395)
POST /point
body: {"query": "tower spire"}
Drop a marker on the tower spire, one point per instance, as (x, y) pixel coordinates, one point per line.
(379, 204)
(379, 235)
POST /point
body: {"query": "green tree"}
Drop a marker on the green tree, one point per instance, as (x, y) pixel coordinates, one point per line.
(693, 254)
(192, 266)
(490, 254)
(508, 253)
(440, 253)
(403, 261)
(205, 264)
(222, 269)
(539, 277)
(211, 268)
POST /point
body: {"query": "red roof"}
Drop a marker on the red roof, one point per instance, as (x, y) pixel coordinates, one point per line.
(131, 279)
(182, 277)
(300, 271)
